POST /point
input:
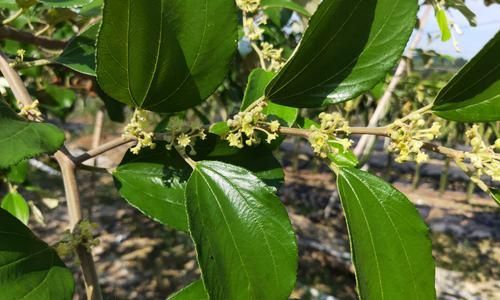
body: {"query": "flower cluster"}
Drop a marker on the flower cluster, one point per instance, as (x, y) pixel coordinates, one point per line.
(270, 57)
(273, 56)
(248, 6)
(252, 28)
(409, 134)
(483, 158)
(31, 111)
(246, 125)
(183, 136)
(330, 126)
(136, 129)
(82, 235)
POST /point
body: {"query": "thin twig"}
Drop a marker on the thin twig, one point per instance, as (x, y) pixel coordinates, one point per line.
(10, 33)
(260, 54)
(30, 64)
(379, 131)
(14, 16)
(102, 149)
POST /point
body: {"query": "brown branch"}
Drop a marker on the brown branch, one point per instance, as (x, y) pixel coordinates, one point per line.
(65, 161)
(380, 131)
(449, 152)
(68, 171)
(15, 82)
(10, 33)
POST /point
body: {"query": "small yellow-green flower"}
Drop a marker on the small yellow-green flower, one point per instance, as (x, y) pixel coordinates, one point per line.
(408, 136)
(274, 126)
(183, 140)
(483, 158)
(247, 128)
(273, 56)
(249, 6)
(136, 128)
(31, 111)
(252, 29)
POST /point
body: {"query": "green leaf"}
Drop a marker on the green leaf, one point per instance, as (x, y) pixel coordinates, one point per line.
(391, 249)
(29, 268)
(115, 109)
(165, 55)
(306, 123)
(93, 9)
(9, 4)
(194, 291)
(344, 157)
(245, 243)
(495, 194)
(464, 10)
(473, 95)
(267, 168)
(58, 100)
(20, 139)
(443, 24)
(79, 55)
(16, 205)
(347, 49)
(18, 173)
(65, 3)
(257, 82)
(219, 128)
(155, 180)
(290, 4)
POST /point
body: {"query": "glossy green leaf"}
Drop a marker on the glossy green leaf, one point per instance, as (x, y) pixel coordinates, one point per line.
(245, 243)
(473, 95)
(390, 244)
(194, 291)
(290, 4)
(65, 3)
(16, 205)
(348, 48)
(29, 268)
(267, 168)
(115, 109)
(257, 82)
(165, 55)
(79, 55)
(155, 180)
(20, 139)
